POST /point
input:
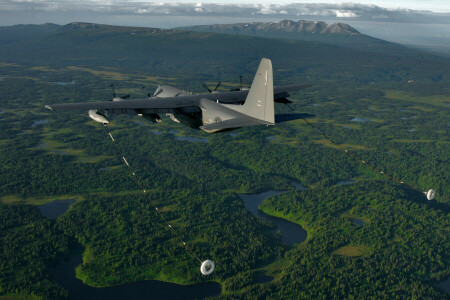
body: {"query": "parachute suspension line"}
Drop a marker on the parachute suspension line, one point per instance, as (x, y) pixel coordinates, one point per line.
(430, 194)
(210, 265)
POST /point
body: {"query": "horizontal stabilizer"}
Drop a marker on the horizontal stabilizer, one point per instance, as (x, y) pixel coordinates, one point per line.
(233, 123)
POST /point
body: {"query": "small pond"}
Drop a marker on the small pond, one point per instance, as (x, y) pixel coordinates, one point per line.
(156, 132)
(360, 120)
(39, 122)
(63, 83)
(358, 222)
(192, 139)
(445, 285)
(344, 182)
(53, 210)
(263, 278)
(139, 123)
(273, 138)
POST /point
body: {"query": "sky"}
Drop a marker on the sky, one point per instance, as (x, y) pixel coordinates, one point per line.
(425, 22)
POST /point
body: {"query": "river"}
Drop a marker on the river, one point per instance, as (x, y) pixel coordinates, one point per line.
(291, 233)
(64, 274)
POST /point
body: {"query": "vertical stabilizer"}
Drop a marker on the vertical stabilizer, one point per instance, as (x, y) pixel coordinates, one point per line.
(259, 103)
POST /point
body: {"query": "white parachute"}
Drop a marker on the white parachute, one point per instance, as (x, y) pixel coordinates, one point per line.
(207, 267)
(430, 194)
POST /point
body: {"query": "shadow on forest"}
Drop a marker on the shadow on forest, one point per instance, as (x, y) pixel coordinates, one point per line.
(280, 118)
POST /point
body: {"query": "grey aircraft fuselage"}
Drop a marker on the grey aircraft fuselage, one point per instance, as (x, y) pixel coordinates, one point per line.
(216, 111)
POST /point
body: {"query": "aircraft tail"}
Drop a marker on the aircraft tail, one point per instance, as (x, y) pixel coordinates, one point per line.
(259, 103)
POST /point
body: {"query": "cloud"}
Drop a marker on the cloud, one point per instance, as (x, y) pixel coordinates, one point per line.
(311, 11)
(345, 14)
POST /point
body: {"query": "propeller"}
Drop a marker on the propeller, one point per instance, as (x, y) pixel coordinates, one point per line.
(115, 96)
(209, 90)
(113, 90)
(148, 94)
(158, 91)
(241, 87)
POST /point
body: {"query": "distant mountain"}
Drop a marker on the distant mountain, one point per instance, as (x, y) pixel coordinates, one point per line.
(340, 34)
(100, 27)
(301, 27)
(190, 54)
(16, 33)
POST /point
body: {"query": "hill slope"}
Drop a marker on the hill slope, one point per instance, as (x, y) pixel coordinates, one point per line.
(169, 52)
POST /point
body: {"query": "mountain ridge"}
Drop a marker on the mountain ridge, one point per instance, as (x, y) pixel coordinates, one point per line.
(339, 34)
(301, 26)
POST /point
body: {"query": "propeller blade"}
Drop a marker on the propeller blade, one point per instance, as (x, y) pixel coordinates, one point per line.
(217, 86)
(206, 87)
(113, 90)
(158, 91)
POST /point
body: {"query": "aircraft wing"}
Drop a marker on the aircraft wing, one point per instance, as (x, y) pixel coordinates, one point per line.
(171, 102)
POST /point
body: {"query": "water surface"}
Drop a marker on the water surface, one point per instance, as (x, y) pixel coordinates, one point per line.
(291, 233)
(156, 132)
(53, 210)
(39, 122)
(192, 139)
(360, 120)
(358, 222)
(445, 285)
(344, 182)
(64, 274)
(263, 278)
(65, 82)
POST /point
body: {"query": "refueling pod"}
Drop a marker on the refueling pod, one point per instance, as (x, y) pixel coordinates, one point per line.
(98, 117)
(154, 118)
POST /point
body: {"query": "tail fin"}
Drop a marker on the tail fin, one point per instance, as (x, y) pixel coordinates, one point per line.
(259, 103)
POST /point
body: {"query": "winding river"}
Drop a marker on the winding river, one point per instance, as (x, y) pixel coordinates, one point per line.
(291, 233)
(64, 272)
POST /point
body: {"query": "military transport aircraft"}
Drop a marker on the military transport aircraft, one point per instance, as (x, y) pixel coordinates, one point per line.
(216, 111)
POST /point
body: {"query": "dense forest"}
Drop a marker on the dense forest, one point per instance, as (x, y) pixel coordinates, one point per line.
(392, 110)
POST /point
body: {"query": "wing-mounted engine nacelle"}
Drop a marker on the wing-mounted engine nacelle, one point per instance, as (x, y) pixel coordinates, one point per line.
(98, 117)
(193, 120)
(164, 91)
(154, 118)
